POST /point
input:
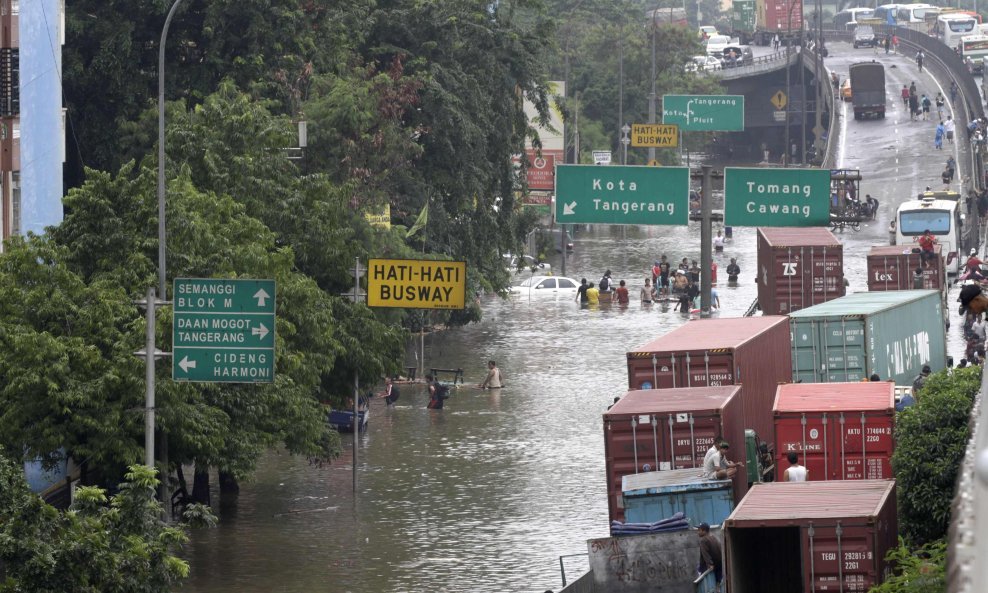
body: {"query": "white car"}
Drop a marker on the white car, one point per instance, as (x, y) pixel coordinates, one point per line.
(547, 286)
(716, 45)
(702, 64)
(529, 265)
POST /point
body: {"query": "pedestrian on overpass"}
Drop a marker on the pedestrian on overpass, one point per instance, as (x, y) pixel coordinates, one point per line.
(919, 59)
(895, 44)
(888, 42)
(939, 102)
(953, 92)
(948, 127)
(938, 137)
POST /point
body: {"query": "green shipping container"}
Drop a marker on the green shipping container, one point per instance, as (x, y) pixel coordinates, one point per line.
(743, 16)
(892, 334)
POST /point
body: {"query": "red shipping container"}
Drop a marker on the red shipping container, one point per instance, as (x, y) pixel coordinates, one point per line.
(753, 351)
(841, 431)
(890, 267)
(780, 16)
(798, 268)
(811, 536)
(662, 429)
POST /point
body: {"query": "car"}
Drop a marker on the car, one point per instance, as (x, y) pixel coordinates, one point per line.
(528, 264)
(716, 45)
(845, 89)
(737, 55)
(547, 286)
(864, 36)
(702, 64)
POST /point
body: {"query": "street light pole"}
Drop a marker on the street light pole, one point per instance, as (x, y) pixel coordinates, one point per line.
(625, 141)
(651, 96)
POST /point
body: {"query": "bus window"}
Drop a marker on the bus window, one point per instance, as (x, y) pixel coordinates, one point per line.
(915, 222)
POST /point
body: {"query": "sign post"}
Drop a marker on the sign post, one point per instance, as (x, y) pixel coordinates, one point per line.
(223, 330)
(776, 197)
(704, 113)
(622, 195)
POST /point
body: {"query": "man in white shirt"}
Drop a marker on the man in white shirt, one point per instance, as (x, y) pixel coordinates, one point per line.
(717, 467)
(795, 472)
(949, 126)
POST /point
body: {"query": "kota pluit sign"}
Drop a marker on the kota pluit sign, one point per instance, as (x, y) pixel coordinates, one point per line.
(704, 113)
(622, 195)
(776, 197)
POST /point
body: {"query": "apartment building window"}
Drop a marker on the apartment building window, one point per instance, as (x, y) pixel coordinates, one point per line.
(10, 80)
(15, 203)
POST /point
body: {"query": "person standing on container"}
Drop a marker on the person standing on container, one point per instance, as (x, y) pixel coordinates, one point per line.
(711, 556)
(795, 472)
(927, 242)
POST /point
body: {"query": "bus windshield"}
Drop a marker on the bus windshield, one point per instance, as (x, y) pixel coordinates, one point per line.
(915, 222)
(961, 25)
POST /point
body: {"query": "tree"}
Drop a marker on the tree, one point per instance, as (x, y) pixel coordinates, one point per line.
(923, 570)
(931, 438)
(102, 544)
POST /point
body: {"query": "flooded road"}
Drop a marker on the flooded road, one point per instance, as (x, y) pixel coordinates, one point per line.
(485, 495)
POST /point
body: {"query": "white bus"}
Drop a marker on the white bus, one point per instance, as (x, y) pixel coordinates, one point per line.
(887, 13)
(847, 19)
(974, 47)
(952, 27)
(941, 217)
(914, 13)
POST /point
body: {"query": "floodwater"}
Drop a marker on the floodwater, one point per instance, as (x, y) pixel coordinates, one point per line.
(484, 496)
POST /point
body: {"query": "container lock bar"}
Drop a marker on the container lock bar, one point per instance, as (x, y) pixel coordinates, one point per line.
(672, 445)
(706, 367)
(809, 534)
(864, 449)
(840, 557)
(689, 378)
(843, 458)
(634, 439)
(655, 372)
(826, 464)
(672, 362)
(692, 440)
(655, 439)
(802, 421)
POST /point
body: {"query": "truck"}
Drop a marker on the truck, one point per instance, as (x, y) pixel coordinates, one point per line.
(783, 18)
(666, 16)
(743, 21)
(868, 89)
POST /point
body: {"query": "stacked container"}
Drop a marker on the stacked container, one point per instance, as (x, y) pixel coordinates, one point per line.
(663, 429)
(841, 431)
(798, 268)
(811, 536)
(753, 351)
(892, 334)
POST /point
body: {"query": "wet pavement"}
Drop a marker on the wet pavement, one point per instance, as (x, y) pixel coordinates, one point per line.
(485, 495)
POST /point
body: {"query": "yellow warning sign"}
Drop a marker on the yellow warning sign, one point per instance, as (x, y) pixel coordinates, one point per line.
(416, 284)
(655, 135)
(779, 99)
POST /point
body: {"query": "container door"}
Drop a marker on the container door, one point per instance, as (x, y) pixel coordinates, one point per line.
(711, 368)
(807, 356)
(839, 559)
(655, 371)
(690, 436)
(844, 342)
(810, 437)
(864, 444)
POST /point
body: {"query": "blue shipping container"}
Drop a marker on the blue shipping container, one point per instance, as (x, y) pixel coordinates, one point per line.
(891, 334)
(653, 496)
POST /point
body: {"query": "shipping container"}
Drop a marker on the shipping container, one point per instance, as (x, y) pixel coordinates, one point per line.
(664, 429)
(782, 17)
(840, 431)
(798, 268)
(653, 496)
(811, 536)
(892, 267)
(891, 334)
(753, 351)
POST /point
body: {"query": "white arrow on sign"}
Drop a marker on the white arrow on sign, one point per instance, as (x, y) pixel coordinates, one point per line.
(186, 364)
(259, 331)
(261, 296)
(568, 208)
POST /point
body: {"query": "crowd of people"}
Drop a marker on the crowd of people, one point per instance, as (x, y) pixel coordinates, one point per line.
(666, 281)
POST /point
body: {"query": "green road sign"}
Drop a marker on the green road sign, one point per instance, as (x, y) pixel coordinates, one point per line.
(622, 195)
(223, 330)
(704, 113)
(776, 197)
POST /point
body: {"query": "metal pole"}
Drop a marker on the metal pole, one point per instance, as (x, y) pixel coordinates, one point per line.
(651, 96)
(161, 151)
(149, 380)
(785, 150)
(621, 90)
(706, 256)
(356, 389)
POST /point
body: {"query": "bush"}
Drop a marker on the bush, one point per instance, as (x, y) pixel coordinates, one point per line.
(931, 438)
(916, 571)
